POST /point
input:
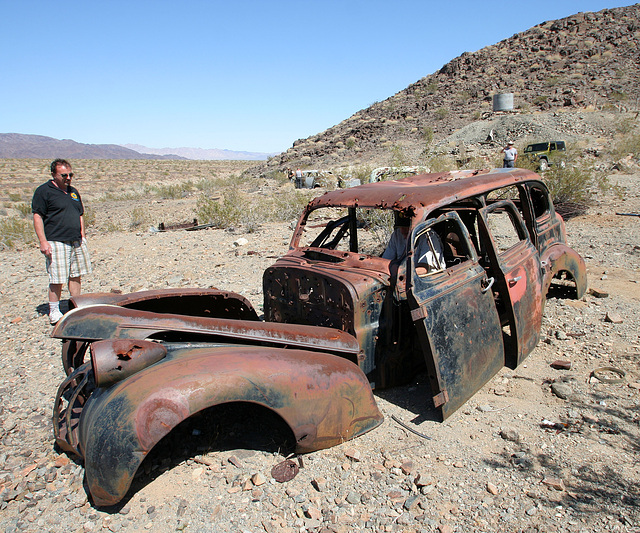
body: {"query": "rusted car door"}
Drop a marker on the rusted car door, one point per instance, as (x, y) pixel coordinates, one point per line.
(546, 226)
(456, 317)
(515, 264)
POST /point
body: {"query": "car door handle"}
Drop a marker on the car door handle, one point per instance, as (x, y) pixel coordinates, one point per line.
(515, 280)
(489, 283)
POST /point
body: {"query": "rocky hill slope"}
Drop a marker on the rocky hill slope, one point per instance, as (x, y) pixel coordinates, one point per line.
(588, 63)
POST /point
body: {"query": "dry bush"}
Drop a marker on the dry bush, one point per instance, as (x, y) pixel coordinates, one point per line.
(15, 231)
(573, 187)
(222, 212)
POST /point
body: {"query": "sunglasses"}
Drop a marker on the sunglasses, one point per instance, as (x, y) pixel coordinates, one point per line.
(65, 176)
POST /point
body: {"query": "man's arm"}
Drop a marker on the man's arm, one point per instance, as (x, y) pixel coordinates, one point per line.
(82, 234)
(38, 225)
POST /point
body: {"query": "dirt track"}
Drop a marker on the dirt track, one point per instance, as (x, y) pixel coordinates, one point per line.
(517, 457)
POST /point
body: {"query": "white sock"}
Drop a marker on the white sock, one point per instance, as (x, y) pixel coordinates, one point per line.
(54, 306)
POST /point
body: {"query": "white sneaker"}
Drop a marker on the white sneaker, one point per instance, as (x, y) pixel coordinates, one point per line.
(54, 316)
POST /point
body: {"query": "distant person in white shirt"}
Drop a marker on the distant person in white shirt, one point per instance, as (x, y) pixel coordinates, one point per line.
(510, 156)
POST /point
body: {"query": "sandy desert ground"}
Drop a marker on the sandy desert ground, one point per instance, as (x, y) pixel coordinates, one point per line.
(516, 457)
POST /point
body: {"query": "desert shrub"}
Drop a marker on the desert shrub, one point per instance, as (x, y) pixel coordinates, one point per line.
(380, 224)
(476, 162)
(288, 205)
(618, 96)
(222, 213)
(139, 216)
(279, 176)
(440, 163)
(209, 185)
(15, 231)
(362, 173)
(123, 196)
(173, 191)
(398, 157)
(112, 227)
(15, 196)
(441, 113)
(575, 187)
(89, 216)
(627, 144)
(427, 135)
(24, 209)
(626, 125)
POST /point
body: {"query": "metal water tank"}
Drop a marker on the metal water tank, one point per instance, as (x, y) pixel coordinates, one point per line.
(503, 102)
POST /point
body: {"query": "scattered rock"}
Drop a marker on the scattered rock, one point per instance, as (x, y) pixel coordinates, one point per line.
(613, 317)
(561, 390)
(554, 483)
(353, 454)
(560, 364)
(598, 293)
(510, 434)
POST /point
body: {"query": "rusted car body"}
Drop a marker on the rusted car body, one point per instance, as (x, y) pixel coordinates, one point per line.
(502, 242)
(463, 298)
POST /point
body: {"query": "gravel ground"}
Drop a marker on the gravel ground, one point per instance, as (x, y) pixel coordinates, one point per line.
(537, 449)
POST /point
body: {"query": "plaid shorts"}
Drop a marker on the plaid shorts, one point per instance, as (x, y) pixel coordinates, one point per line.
(68, 260)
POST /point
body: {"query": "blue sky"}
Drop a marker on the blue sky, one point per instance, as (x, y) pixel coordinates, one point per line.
(240, 75)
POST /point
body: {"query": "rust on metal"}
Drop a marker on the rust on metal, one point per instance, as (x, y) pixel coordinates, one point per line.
(324, 399)
(192, 302)
(115, 360)
(109, 322)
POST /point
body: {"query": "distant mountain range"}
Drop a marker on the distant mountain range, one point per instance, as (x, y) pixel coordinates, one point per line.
(201, 153)
(23, 146)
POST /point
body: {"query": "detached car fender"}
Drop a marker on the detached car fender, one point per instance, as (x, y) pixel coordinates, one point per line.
(559, 258)
(324, 399)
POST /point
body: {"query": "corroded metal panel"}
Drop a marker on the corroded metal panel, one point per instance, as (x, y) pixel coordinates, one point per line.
(115, 360)
(461, 333)
(518, 274)
(324, 399)
(111, 322)
(561, 258)
(419, 194)
(212, 303)
(297, 291)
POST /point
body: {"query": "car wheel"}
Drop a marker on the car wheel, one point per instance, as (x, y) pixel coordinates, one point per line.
(73, 354)
(544, 165)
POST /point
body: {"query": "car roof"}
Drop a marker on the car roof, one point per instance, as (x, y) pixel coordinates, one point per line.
(424, 191)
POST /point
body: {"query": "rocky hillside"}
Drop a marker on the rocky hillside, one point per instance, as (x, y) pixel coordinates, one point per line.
(586, 66)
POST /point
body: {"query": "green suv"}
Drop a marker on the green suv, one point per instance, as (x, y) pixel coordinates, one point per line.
(546, 153)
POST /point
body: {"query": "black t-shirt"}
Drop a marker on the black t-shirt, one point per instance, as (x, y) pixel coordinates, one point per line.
(60, 212)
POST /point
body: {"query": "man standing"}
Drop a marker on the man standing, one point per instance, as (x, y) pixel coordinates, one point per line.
(58, 220)
(510, 155)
